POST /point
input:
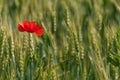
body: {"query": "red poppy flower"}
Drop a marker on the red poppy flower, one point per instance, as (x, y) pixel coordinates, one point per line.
(30, 27)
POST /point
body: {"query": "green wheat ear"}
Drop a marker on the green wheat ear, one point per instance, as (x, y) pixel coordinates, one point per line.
(2, 42)
(21, 63)
(2, 49)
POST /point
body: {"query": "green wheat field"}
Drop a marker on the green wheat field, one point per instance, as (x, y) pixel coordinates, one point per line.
(81, 40)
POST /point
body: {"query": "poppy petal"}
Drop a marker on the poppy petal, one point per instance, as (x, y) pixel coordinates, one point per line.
(39, 31)
(27, 26)
(33, 26)
(34, 23)
(21, 28)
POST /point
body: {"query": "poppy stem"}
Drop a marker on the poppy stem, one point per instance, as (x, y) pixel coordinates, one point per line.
(31, 55)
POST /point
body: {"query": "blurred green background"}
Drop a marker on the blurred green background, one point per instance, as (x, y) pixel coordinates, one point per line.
(81, 40)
